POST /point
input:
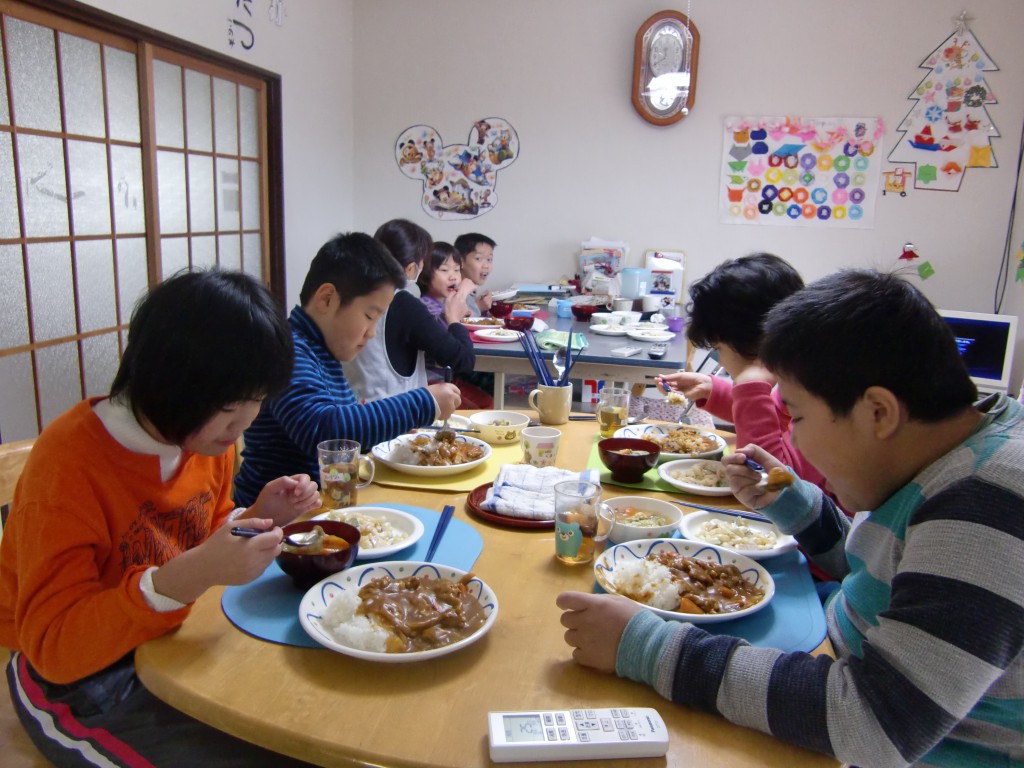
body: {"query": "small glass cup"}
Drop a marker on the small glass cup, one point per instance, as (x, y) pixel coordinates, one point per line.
(612, 410)
(340, 464)
(578, 526)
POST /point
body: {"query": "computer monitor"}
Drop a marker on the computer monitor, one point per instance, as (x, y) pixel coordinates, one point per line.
(986, 343)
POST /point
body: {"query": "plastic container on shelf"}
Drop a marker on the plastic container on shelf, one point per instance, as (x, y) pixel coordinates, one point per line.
(635, 282)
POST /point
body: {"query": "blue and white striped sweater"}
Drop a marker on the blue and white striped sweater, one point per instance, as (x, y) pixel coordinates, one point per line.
(318, 405)
(928, 627)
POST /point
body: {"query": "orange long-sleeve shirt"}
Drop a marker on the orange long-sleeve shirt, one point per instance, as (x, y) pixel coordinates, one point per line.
(88, 518)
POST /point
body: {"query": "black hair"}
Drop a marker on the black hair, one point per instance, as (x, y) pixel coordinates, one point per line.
(198, 342)
(728, 305)
(439, 254)
(355, 264)
(859, 328)
(409, 243)
(467, 243)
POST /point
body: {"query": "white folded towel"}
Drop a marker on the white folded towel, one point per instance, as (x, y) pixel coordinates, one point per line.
(522, 490)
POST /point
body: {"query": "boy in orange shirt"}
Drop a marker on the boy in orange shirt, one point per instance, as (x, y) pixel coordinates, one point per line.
(121, 520)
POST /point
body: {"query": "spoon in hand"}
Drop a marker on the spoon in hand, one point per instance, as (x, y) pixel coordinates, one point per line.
(299, 540)
(774, 479)
(446, 434)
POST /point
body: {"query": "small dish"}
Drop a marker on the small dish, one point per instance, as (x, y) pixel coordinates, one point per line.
(499, 427)
(482, 322)
(498, 334)
(476, 498)
(624, 531)
(628, 459)
(400, 521)
(612, 558)
(645, 334)
(314, 603)
(668, 470)
(608, 329)
(691, 524)
(647, 326)
(308, 569)
(382, 452)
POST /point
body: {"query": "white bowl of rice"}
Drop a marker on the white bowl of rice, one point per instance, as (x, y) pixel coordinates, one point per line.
(384, 531)
(627, 569)
(701, 477)
(750, 538)
(328, 611)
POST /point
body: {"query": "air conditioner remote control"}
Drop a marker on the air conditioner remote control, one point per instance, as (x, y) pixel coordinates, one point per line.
(576, 734)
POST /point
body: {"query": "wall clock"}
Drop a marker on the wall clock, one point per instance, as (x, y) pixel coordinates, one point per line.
(665, 67)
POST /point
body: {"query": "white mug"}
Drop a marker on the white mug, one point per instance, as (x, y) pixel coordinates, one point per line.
(622, 304)
(651, 302)
(552, 403)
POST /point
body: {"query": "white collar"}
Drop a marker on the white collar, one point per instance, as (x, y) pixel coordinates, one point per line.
(119, 420)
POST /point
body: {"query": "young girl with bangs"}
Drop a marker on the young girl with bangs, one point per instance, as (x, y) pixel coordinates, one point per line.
(121, 520)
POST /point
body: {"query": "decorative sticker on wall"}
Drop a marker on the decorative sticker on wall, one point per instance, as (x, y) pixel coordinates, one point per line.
(949, 130)
(458, 180)
(799, 171)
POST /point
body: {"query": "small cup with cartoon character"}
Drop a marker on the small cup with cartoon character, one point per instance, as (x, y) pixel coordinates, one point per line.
(581, 525)
(540, 445)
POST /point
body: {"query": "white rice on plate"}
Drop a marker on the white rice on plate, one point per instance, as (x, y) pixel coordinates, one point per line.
(647, 582)
(342, 623)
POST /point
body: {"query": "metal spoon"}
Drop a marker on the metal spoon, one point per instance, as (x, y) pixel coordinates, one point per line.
(300, 540)
(446, 434)
(558, 359)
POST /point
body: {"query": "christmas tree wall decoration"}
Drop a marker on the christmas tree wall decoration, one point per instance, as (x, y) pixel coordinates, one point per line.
(949, 129)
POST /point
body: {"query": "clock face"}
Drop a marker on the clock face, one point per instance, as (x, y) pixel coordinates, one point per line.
(665, 67)
(666, 54)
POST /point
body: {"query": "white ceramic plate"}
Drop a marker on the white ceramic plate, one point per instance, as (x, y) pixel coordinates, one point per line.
(382, 453)
(455, 422)
(608, 329)
(665, 472)
(660, 430)
(531, 308)
(483, 322)
(631, 551)
(498, 334)
(647, 326)
(692, 522)
(645, 334)
(314, 602)
(400, 521)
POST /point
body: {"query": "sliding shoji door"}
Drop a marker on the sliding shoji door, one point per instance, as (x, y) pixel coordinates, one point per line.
(121, 162)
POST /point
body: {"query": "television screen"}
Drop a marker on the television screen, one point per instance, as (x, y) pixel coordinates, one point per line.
(983, 344)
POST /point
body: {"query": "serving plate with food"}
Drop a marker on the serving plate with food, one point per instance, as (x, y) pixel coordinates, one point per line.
(387, 612)
(677, 441)
(483, 322)
(424, 455)
(753, 539)
(647, 325)
(648, 334)
(608, 329)
(703, 477)
(383, 531)
(685, 580)
(498, 334)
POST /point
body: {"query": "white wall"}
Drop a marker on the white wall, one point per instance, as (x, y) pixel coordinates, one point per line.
(560, 73)
(358, 72)
(312, 52)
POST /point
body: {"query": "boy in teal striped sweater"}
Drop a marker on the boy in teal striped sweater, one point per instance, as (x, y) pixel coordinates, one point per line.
(928, 625)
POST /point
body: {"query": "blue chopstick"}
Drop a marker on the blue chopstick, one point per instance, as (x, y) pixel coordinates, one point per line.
(442, 526)
(724, 511)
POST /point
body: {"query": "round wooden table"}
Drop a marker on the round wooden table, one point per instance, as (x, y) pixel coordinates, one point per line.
(333, 710)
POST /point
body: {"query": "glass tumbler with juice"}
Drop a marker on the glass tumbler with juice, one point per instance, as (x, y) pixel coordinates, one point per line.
(612, 410)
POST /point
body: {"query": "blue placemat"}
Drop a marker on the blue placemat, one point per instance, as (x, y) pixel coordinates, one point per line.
(793, 621)
(268, 607)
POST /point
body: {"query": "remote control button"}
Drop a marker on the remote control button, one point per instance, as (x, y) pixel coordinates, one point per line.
(563, 734)
(548, 720)
(549, 733)
(560, 718)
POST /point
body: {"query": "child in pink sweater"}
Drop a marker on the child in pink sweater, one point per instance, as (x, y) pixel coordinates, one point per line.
(726, 309)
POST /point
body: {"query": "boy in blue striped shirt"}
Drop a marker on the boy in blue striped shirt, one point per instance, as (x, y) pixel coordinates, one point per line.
(349, 285)
(928, 624)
